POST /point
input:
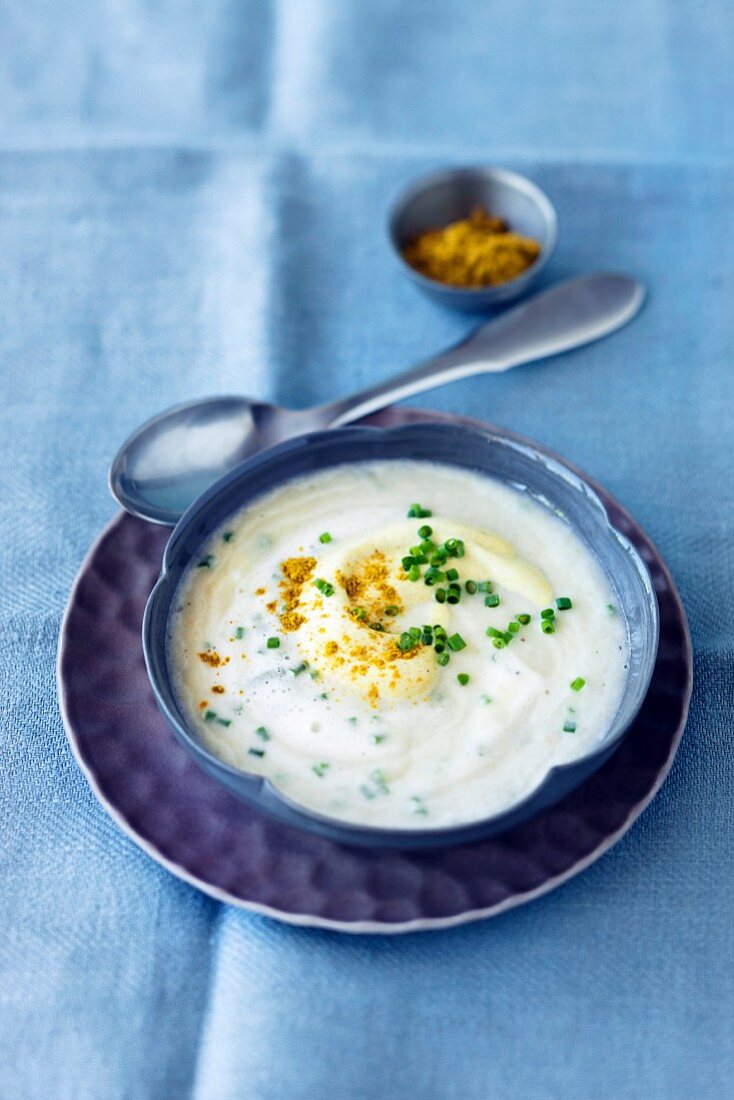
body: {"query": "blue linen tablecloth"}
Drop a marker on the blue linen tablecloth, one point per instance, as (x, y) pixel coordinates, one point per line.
(192, 198)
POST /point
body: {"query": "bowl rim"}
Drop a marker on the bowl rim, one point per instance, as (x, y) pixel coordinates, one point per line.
(340, 829)
(505, 175)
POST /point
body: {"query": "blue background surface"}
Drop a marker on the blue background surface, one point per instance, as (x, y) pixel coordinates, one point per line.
(192, 199)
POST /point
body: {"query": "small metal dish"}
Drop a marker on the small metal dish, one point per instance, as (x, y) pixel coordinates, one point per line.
(529, 470)
(448, 196)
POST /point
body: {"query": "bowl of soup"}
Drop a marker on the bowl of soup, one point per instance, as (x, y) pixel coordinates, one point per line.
(400, 637)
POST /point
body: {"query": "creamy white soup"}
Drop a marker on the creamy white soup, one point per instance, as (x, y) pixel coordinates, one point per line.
(398, 644)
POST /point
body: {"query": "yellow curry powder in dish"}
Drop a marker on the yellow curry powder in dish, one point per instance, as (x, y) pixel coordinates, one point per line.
(477, 251)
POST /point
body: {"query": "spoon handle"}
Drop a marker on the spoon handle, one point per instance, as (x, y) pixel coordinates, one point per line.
(567, 316)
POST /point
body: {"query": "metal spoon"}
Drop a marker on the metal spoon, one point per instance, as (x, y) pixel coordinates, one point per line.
(172, 458)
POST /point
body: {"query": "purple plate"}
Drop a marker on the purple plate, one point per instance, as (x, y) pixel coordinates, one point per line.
(206, 836)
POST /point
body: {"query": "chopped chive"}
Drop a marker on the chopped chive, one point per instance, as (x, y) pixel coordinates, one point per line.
(324, 587)
(414, 573)
(443, 659)
(256, 752)
(513, 627)
(379, 779)
(453, 596)
(563, 603)
(440, 595)
(427, 637)
(499, 643)
(440, 647)
(212, 716)
(569, 726)
(492, 600)
(450, 546)
(548, 613)
(407, 562)
(206, 562)
(463, 678)
(457, 643)
(417, 805)
(407, 641)
(417, 512)
(452, 574)
(227, 536)
(578, 683)
(427, 546)
(508, 636)
(299, 668)
(273, 643)
(471, 587)
(320, 769)
(378, 738)
(492, 632)
(262, 733)
(378, 627)
(547, 626)
(439, 631)
(325, 537)
(415, 632)
(353, 720)
(484, 586)
(425, 531)
(359, 613)
(439, 558)
(524, 619)
(611, 609)
(460, 549)
(486, 699)
(239, 633)
(392, 610)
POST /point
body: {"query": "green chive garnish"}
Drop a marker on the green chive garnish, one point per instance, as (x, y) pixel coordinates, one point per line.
(262, 733)
(463, 678)
(417, 512)
(499, 643)
(492, 632)
(273, 643)
(239, 633)
(425, 531)
(414, 573)
(299, 668)
(492, 601)
(569, 726)
(548, 613)
(206, 562)
(378, 627)
(392, 610)
(578, 683)
(471, 587)
(512, 628)
(325, 537)
(324, 587)
(452, 574)
(524, 619)
(440, 595)
(212, 716)
(484, 586)
(320, 769)
(256, 752)
(457, 643)
(547, 626)
(563, 603)
(417, 805)
(611, 609)
(378, 738)
(227, 536)
(443, 659)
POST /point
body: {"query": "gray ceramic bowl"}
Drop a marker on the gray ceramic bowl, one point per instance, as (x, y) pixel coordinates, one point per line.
(521, 466)
(451, 195)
